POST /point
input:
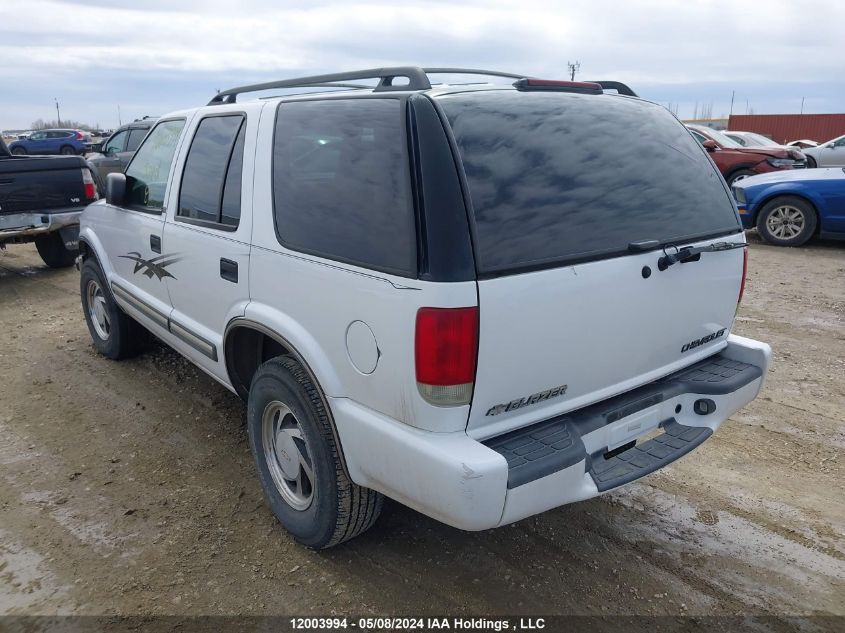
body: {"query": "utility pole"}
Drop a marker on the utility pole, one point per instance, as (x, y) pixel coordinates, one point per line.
(802, 105)
(573, 68)
(733, 92)
(58, 114)
(119, 122)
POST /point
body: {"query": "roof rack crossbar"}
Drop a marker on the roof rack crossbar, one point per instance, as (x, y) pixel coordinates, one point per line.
(471, 71)
(417, 80)
(618, 86)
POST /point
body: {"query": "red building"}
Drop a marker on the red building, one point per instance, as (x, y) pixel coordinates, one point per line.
(783, 128)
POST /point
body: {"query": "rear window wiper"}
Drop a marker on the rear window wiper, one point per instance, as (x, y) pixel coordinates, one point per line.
(680, 254)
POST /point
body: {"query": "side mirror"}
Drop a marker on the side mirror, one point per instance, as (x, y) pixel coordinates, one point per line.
(116, 189)
(710, 146)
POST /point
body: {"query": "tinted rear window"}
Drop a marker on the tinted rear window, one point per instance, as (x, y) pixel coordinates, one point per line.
(556, 178)
(341, 183)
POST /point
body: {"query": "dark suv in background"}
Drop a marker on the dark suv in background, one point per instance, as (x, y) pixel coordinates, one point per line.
(113, 154)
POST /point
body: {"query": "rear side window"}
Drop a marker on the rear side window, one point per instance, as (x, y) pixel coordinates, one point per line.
(135, 137)
(211, 181)
(146, 175)
(557, 178)
(341, 185)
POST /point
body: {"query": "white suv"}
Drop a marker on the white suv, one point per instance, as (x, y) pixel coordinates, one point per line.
(483, 301)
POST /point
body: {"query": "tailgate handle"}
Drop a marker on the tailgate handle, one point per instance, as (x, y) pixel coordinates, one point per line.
(229, 270)
(155, 243)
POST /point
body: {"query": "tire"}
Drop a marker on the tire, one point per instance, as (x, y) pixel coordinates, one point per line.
(739, 174)
(19, 151)
(115, 334)
(298, 459)
(53, 251)
(811, 163)
(67, 150)
(787, 221)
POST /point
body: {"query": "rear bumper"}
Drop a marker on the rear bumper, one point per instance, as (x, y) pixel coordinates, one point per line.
(475, 486)
(35, 223)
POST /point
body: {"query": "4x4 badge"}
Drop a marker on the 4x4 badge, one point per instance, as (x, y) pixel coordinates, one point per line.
(155, 266)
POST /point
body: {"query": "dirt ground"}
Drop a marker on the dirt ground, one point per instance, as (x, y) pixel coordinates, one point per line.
(120, 494)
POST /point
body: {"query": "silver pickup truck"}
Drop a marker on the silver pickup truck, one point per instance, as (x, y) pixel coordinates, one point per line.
(41, 199)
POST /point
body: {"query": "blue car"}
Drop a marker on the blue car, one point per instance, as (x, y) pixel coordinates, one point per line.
(790, 207)
(67, 142)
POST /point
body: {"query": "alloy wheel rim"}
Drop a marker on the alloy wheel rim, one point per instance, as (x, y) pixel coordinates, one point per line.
(287, 455)
(97, 311)
(786, 222)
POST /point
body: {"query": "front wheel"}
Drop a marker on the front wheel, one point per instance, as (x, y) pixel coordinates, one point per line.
(787, 221)
(298, 459)
(53, 252)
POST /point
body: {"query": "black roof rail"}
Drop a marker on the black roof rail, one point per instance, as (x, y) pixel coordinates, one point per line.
(417, 80)
(618, 86)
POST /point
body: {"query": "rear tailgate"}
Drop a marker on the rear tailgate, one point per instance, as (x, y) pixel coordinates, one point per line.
(41, 183)
(566, 191)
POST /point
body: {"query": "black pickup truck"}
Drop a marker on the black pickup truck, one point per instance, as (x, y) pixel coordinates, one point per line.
(41, 199)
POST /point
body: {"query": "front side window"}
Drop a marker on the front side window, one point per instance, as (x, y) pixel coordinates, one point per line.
(38, 136)
(115, 143)
(146, 176)
(341, 184)
(135, 137)
(211, 182)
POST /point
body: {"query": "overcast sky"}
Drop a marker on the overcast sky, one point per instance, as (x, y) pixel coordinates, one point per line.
(154, 56)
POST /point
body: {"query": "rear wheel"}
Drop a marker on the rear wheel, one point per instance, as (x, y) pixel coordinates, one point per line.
(67, 150)
(740, 174)
(19, 151)
(787, 221)
(53, 251)
(115, 334)
(298, 459)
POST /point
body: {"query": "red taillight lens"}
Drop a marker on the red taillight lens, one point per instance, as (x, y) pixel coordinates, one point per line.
(744, 273)
(88, 185)
(80, 136)
(445, 350)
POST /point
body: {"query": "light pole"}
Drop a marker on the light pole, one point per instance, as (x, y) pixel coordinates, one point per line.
(58, 114)
(573, 68)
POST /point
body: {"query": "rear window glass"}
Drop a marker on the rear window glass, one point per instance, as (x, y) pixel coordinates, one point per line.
(341, 182)
(556, 178)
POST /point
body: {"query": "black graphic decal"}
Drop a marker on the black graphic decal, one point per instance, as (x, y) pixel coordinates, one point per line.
(155, 266)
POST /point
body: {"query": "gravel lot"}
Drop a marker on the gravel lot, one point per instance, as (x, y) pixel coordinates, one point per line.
(122, 494)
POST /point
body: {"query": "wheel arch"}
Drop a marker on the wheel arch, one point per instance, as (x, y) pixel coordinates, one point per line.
(247, 344)
(736, 168)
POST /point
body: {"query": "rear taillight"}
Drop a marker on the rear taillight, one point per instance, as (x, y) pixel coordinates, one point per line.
(88, 185)
(80, 136)
(445, 350)
(744, 273)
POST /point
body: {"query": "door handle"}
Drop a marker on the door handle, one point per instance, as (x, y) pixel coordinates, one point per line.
(155, 243)
(229, 270)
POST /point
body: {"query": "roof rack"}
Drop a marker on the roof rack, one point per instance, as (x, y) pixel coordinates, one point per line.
(618, 86)
(417, 80)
